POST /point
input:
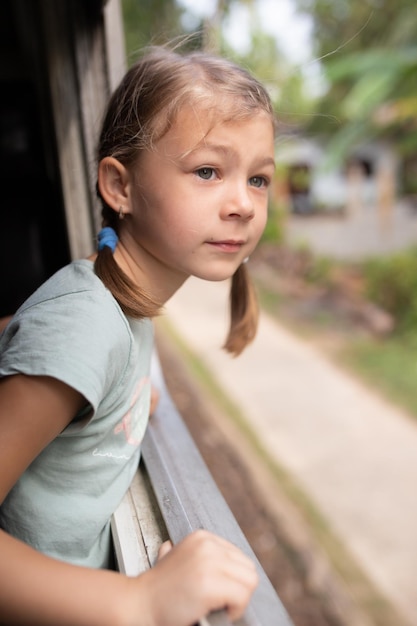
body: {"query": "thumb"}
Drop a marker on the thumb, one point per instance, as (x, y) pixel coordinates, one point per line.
(164, 549)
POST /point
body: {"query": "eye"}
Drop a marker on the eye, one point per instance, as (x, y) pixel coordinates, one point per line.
(206, 173)
(259, 181)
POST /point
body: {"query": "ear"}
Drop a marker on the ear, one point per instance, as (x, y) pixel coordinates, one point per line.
(114, 184)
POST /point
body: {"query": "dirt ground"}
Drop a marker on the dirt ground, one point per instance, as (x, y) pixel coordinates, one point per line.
(327, 299)
(284, 566)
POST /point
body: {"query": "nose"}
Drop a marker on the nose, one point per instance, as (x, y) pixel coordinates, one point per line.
(240, 204)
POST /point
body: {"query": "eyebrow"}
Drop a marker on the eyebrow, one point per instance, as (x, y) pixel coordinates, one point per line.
(202, 145)
(268, 161)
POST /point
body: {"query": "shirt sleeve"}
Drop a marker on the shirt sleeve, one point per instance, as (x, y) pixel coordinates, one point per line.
(78, 338)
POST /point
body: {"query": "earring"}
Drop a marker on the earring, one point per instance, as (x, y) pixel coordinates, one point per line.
(121, 214)
(245, 260)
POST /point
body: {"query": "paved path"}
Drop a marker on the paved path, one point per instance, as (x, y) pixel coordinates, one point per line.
(352, 453)
(365, 232)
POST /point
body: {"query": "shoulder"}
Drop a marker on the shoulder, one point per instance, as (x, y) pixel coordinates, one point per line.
(74, 279)
(72, 297)
(72, 316)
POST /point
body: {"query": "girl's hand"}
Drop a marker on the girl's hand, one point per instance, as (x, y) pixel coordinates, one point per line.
(203, 573)
(154, 399)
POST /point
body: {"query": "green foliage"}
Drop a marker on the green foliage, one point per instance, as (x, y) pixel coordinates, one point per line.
(150, 22)
(377, 60)
(391, 283)
(369, 57)
(390, 366)
(381, 99)
(320, 271)
(274, 229)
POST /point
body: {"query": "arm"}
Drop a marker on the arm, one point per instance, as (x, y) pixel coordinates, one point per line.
(4, 321)
(201, 574)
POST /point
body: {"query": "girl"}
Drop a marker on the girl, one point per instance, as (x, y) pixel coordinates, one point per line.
(185, 158)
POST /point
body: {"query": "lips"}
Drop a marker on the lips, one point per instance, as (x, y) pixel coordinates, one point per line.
(227, 245)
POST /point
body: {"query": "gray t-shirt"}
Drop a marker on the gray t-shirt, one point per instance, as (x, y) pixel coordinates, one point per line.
(72, 329)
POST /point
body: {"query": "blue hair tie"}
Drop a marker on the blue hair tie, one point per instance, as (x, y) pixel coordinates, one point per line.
(107, 237)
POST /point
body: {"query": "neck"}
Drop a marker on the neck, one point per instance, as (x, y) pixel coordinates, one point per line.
(158, 280)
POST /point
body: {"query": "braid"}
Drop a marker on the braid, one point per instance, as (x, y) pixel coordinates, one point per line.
(244, 312)
(134, 301)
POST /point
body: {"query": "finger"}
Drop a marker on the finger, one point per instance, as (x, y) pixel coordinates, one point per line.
(154, 399)
(241, 593)
(164, 549)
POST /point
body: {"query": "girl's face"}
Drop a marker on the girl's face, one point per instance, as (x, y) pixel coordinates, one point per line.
(199, 199)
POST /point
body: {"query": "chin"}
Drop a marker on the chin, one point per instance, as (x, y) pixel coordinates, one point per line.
(216, 276)
(215, 269)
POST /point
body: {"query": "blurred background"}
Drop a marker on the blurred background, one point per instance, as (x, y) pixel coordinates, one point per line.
(336, 268)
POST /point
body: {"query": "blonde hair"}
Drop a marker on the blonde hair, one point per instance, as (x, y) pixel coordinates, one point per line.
(141, 110)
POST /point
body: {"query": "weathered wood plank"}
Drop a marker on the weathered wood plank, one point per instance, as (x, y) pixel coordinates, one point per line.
(137, 527)
(180, 497)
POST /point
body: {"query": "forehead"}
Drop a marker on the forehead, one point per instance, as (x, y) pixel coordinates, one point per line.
(194, 126)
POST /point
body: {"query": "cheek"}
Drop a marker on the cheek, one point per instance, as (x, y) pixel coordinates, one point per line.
(180, 230)
(188, 221)
(261, 221)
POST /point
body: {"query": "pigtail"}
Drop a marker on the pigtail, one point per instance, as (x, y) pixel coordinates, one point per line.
(244, 312)
(134, 301)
